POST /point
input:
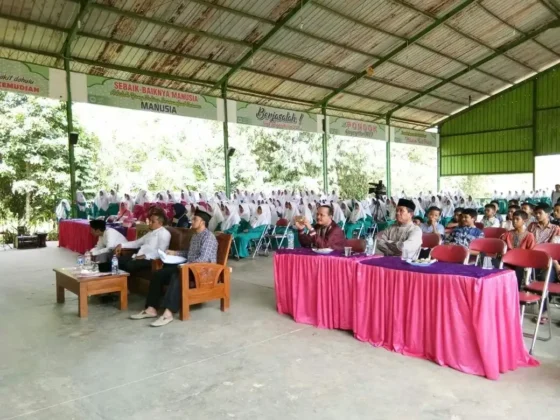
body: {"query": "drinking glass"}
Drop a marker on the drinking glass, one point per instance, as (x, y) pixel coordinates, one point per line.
(487, 263)
(347, 251)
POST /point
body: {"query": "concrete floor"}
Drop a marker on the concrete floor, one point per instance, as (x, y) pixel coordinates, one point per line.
(248, 363)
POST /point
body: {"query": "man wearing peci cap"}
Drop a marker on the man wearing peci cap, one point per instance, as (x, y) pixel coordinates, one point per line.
(203, 248)
(404, 238)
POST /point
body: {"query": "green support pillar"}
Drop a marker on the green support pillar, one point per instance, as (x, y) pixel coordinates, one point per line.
(70, 144)
(388, 155)
(438, 182)
(325, 155)
(226, 140)
(534, 134)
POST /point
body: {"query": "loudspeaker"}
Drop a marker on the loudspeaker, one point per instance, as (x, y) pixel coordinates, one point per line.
(74, 138)
(231, 151)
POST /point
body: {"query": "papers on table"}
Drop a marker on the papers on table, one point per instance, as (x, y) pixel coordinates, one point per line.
(171, 259)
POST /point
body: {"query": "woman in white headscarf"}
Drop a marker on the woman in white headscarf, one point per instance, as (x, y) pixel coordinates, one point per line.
(129, 202)
(356, 220)
(291, 212)
(447, 211)
(471, 204)
(232, 219)
(62, 210)
(258, 224)
(338, 214)
(82, 205)
(305, 211)
(346, 206)
(114, 197)
(101, 204)
(161, 197)
(141, 197)
(419, 211)
(217, 217)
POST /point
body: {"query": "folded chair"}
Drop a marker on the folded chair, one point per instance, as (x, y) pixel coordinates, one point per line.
(490, 247)
(493, 232)
(536, 260)
(456, 254)
(277, 237)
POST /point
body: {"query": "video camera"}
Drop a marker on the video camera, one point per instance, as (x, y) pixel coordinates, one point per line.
(378, 189)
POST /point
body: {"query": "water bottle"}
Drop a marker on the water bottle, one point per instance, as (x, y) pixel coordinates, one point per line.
(87, 260)
(369, 245)
(290, 239)
(115, 265)
(80, 262)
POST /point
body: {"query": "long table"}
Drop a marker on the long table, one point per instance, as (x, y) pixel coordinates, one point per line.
(455, 315)
(75, 235)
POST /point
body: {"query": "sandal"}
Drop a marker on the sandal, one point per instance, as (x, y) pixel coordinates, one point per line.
(142, 315)
(544, 320)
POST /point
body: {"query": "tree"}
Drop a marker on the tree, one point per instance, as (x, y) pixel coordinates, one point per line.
(34, 174)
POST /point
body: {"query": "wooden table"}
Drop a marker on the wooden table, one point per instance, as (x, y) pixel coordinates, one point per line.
(89, 286)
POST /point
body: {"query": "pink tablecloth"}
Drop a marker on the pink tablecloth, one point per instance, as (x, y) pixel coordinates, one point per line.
(76, 236)
(316, 289)
(467, 321)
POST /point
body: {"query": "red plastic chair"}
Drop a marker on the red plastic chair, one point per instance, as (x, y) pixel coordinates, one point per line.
(491, 247)
(479, 225)
(456, 254)
(282, 223)
(358, 245)
(430, 240)
(537, 260)
(493, 232)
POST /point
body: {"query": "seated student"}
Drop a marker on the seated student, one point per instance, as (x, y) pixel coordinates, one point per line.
(529, 209)
(180, 218)
(519, 236)
(543, 230)
(108, 240)
(556, 215)
(404, 237)
(232, 219)
(457, 218)
(157, 238)
(496, 213)
(356, 220)
(433, 225)
(325, 234)
(467, 232)
(490, 219)
(259, 222)
(203, 248)
(508, 223)
(417, 221)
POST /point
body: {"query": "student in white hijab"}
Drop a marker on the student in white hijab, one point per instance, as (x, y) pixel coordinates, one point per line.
(102, 203)
(129, 201)
(471, 204)
(338, 214)
(63, 210)
(232, 218)
(141, 197)
(419, 211)
(245, 212)
(356, 220)
(81, 203)
(258, 223)
(114, 197)
(291, 212)
(391, 209)
(217, 217)
(346, 206)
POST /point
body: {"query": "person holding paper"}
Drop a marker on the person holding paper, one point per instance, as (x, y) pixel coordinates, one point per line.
(203, 249)
(157, 238)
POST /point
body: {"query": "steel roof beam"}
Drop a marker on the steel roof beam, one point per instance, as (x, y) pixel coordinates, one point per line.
(550, 50)
(463, 34)
(84, 6)
(500, 51)
(201, 83)
(400, 48)
(550, 8)
(260, 43)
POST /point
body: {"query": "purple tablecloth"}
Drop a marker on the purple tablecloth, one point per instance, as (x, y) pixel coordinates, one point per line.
(309, 252)
(396, 263)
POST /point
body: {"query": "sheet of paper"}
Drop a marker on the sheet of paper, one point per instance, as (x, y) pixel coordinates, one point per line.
(171, 259)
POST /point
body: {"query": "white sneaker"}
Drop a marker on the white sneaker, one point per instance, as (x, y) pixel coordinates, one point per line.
(142, 315)
(161, 321)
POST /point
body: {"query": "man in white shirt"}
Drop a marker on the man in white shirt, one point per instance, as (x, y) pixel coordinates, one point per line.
(157, 238)
(108, 240)
(403, 238)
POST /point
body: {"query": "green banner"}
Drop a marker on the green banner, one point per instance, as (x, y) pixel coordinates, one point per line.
(122, 94)
(355, 128)
(264, 116)
(421, 138)
(24, 78)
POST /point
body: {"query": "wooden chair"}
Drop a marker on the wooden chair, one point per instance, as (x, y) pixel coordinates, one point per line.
(211, 280)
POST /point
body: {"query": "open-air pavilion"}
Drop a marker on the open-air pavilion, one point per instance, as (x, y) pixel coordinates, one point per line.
(482, 73)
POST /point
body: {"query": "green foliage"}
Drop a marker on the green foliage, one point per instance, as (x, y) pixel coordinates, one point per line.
(34, 174)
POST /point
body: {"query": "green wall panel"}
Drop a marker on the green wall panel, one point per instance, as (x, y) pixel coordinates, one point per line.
(488, 163)
(548, 89)
(548, 132)
(513, 108)
(496, 141)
